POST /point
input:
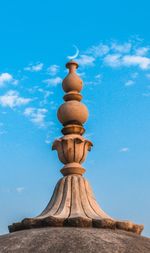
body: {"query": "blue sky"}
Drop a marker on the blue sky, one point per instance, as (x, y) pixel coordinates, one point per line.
(114, 42)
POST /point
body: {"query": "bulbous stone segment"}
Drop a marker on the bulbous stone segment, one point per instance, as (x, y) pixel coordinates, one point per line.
(72, 150)
(72, 81)
(72, 112)
(73, 204)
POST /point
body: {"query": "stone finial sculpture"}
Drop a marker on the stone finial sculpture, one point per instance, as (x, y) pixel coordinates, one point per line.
(73, 203)
(72, 147)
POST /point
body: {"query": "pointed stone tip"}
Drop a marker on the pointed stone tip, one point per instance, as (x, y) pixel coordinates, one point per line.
(72, 63)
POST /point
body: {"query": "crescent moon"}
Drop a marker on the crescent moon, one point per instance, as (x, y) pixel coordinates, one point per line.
(75, 55)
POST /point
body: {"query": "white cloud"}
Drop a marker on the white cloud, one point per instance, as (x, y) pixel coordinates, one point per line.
(113, 60)
(103, 49)
(89, 135)
(47, 141)
(99, 50)
(81, 74)
(15, 82)
(12, 99)
(98, 77)
(142, 51)
(50, 135)
(135, 60)
(5, 78)
(36, 115)
(117, 60)
(34, 68)
(89, 83)
(86, 60)
(96, 80)
(46, 95)
(134, 75)
(129, 83)
(116, 54)
(53, 70)
(121, 48)
(20, 189)
(53, 81)
(125, 149)
(53, 105)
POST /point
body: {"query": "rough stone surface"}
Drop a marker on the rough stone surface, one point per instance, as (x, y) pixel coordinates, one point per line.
(73, 240)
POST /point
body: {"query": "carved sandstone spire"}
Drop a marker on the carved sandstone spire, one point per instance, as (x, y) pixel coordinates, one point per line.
(72, 148)
(72, 202)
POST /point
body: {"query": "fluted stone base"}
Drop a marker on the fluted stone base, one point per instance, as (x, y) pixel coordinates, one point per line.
(73, 204)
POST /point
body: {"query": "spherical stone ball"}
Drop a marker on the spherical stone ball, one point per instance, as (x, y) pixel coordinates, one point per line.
(72, 111)
(72, 82)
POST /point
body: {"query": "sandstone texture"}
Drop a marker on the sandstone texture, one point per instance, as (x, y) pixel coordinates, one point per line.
(73, 240)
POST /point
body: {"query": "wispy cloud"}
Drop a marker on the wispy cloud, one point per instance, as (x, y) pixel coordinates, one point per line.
(134, 75)
(132, 81)
(114, 54)
(135, 60)
(121, 48)
(97, 79)
(86, 60)
(5, 78)
(117, 60)
(129, 83)
(34, 67)
(12, 99)
(20, 189)
(98, 76)
(81, 74)
(46, 95)
(99, 50)
(124, 150)
(53, 105)
(113, 60)
(88, 135)
(53, 70)
(36, 115)
(49, 137)
(53, 81)
(142, 51)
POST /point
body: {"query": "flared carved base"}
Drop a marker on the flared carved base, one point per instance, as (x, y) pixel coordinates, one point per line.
(73, 204)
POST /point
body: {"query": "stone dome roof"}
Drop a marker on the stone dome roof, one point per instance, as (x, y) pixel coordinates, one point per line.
(73, 240)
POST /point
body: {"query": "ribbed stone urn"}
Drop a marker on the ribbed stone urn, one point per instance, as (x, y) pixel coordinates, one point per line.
(72, 151)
